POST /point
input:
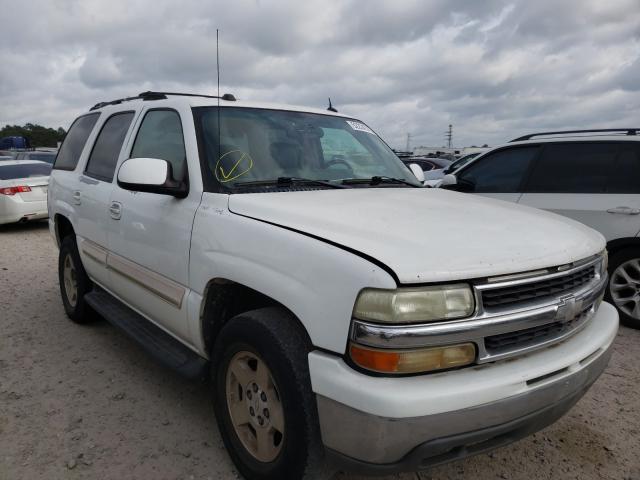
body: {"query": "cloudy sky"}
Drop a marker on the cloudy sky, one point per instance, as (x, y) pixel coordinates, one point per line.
(493, 69)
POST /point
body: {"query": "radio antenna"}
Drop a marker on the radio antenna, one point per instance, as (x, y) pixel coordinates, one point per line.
(218, 69)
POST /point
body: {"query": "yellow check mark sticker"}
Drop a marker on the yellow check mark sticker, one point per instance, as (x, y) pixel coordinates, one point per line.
(232, 165)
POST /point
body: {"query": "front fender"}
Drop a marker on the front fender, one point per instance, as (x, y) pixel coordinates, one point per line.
(317, 281)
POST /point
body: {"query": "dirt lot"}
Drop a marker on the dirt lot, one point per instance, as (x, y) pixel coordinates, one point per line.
(86, 402)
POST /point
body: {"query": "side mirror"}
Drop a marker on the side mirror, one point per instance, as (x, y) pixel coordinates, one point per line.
(448, 179)
(417, 171)
(151, 175)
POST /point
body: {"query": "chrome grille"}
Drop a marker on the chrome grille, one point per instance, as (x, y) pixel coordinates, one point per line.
(509, 295)
(531, 336)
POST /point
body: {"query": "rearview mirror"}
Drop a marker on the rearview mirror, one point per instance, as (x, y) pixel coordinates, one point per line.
(417, 171)
(151, 175)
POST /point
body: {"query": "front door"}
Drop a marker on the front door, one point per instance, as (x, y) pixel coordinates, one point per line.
(149, 248)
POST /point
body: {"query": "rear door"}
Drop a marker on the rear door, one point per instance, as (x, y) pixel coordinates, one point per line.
(595, 183)
(149, 248)
(93, 191)
(499, 174)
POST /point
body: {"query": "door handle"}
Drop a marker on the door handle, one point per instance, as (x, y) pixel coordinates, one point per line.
(115, 210)
(624, 210)
(76, 197)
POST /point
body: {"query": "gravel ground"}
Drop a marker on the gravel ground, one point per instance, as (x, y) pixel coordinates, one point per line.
(86, 401)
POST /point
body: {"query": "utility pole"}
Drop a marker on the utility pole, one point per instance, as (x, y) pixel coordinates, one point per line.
(408, 141)
(449, 135)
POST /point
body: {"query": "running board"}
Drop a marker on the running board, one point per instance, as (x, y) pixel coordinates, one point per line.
(156, 341)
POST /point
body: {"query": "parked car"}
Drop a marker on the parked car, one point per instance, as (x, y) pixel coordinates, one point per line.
(289, 255)
(437, 174)
(23, 190)
(47, 156)
(427, 164)
(592, 176)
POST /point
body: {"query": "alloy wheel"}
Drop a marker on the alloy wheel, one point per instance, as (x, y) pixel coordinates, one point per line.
(255, 406)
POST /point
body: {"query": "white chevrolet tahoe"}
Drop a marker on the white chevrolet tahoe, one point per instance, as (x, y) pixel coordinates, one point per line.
(288, 255)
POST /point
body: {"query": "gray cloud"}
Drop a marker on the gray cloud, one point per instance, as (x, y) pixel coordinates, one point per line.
(494, 69)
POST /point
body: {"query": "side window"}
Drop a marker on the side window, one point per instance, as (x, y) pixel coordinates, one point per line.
(160, 136)
(573, 168)
(106, 149)
(74, 141)
(624, 177)
(499, 172)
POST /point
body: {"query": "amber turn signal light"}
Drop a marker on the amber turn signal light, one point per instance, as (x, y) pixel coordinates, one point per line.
(413, 361)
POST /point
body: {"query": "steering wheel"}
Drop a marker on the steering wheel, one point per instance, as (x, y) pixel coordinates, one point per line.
(338, 160)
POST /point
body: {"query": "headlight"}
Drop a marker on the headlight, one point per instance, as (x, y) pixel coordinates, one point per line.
(411, 305)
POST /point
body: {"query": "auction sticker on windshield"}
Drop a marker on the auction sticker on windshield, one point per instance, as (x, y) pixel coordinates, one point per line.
(361, 127)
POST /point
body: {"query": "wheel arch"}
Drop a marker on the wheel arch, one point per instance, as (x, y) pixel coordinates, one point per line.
(614, 246)
(223, 299)
(63, 227)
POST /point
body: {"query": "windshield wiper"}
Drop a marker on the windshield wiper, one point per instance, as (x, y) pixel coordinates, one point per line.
(288, 182)
(377, 180)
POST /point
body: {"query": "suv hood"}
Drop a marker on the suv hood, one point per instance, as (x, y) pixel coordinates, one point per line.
(428, 235)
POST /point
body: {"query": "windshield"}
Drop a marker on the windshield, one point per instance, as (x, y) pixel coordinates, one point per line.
(259, 145)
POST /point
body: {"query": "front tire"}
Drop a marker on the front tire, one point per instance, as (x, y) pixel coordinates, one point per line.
(74, 282)
(263, 401)
(623, 290)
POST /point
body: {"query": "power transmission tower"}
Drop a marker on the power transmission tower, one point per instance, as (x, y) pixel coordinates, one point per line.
(449, 135)
(408, 141)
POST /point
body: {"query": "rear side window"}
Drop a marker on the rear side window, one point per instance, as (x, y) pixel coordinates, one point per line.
(74, 141)
(624, 177)
(573, 168)
(499, 172)
(160, 136)
(104, 156)
(10, 172)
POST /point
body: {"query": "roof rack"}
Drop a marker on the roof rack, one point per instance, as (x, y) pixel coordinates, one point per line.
(627, 131)
(149, 95)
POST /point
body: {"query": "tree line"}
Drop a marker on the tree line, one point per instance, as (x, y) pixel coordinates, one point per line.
(38, 135)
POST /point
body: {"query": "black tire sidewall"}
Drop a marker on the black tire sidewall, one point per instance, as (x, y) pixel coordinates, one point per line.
(615, 261)
(80, 313)
(287, 360)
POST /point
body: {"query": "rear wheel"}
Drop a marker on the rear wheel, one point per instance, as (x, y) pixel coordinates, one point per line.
(263, 401)
(74, 282)
(624, 285)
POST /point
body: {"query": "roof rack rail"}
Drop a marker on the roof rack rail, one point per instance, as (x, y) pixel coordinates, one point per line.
(149, 95)
(627, 131)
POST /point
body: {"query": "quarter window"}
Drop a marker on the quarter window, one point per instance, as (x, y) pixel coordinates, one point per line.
(573, 168)
(499, 172)
(106, 149)
(74, 141)
(160, 136)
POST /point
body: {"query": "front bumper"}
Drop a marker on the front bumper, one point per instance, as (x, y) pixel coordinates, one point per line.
(385, 425)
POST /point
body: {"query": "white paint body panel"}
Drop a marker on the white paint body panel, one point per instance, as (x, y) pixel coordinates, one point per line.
(591, 209)
(318, 282)
(488, 237)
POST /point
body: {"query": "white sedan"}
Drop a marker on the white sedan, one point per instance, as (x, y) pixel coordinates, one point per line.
(23, 190)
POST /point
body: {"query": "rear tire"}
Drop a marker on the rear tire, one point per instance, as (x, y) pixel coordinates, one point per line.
(74, 282)
(264, 405)
(623, 290)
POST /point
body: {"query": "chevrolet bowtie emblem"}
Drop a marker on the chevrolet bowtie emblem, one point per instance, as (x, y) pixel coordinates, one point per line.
(567, 309)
